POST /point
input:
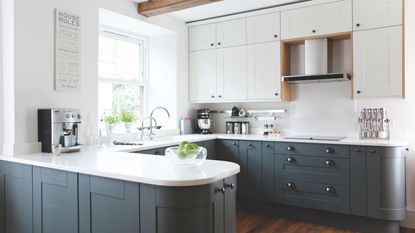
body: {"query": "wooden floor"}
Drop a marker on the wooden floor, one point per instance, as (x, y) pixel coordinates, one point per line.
(249, 222)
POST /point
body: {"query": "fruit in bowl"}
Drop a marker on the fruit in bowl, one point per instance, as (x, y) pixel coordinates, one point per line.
(186, 154)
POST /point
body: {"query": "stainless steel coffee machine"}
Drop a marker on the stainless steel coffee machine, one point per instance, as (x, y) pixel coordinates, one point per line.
(59, 127)
(203, 121)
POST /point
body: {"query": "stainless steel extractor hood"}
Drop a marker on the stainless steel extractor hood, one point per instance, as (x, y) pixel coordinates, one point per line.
(316, 65)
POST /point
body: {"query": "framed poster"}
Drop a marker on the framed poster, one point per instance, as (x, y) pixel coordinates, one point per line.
(67, 51)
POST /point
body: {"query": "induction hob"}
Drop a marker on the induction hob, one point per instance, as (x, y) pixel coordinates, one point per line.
(319, 138)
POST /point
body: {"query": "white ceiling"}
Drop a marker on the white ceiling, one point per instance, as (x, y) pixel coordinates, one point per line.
(224, 7)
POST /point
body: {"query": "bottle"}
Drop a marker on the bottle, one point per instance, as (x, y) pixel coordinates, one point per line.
(266, 129)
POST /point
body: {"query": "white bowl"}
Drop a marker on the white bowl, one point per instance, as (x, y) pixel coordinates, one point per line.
(181, 158)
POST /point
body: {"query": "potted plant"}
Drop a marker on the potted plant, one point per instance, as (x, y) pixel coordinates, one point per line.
(128, 118)
(110, 121)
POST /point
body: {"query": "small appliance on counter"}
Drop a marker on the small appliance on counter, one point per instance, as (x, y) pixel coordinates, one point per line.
(59, 127)
(203, 121)
(374, 124)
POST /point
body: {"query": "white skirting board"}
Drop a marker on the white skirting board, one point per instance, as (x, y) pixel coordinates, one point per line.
(410, 219)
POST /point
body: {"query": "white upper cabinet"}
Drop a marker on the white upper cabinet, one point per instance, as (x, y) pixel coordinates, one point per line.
(231, 33)
(328, 18)
(264, 71)
(378, 63)
(202, 75)
(202, 37)
(369, 14)
(231, 65)
(263, 28)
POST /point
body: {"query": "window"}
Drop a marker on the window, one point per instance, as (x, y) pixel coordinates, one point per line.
(121, 74)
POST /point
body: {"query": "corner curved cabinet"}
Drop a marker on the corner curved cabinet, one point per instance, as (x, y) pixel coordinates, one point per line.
(386, 193)
(16, 198)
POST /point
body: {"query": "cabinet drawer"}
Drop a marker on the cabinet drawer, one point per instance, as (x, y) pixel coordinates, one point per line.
(314, 169)
(332, 198)
(322, 150)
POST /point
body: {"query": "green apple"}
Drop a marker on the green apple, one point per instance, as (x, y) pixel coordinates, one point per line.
(181, 154)
(182, 144)
(190, 149)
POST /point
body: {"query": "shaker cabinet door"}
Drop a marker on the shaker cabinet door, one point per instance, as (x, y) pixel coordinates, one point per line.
(231, 65)
(264, 71)
(231, 33)
(250, 178)
(202, 72)
(369, 14)
(108, 205)
(263, 28)
(322, 19)
(378, 63)
(16, 198)
(55, 201)
(202, 37)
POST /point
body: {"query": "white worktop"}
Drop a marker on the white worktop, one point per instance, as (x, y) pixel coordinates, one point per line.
(115, 161)
(174, 140)
(107, 161)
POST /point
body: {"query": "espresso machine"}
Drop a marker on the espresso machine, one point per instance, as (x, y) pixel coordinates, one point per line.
(203, 120)
(59, 127)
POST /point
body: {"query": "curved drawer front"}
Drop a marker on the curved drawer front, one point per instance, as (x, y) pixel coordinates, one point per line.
(325, 170)
(322, 150)
(334, 198)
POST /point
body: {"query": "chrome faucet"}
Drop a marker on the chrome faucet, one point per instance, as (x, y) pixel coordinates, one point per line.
(142, 128)
(151, 128)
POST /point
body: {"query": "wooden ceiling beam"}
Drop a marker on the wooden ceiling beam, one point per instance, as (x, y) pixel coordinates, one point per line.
(158, 7)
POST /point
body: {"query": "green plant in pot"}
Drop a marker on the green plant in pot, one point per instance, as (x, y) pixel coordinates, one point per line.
(110, 120)
(128, 118)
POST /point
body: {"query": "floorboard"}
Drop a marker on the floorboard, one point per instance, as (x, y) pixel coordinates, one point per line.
(251, 222)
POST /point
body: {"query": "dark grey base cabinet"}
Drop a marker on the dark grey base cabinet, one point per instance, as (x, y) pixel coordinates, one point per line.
(16, 198)
(55, 201)
(67, 202)
(352, 180)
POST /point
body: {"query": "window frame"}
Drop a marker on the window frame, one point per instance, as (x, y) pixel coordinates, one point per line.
(119, 34)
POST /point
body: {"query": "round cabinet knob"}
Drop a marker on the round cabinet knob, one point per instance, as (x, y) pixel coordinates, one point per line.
(220, 96)
(220, 190)
(329, 150)
(291, 160)
(229, 186)
(290, 148)
(213, 96)
(357, 150)
(330, 162)
(358, 92)
(268, 146)
(372, 151)
(212, 44)
(234, 143)
(250, 145)
(219, 43)
(358, 25)
(276, 94)
(314, 31)
(275, 36)
(330, 189)
(291, 185)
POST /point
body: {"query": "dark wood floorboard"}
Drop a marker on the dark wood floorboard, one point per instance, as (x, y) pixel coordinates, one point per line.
(251, 222)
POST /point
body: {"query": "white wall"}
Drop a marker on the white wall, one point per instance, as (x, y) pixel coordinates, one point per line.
(34, 59)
